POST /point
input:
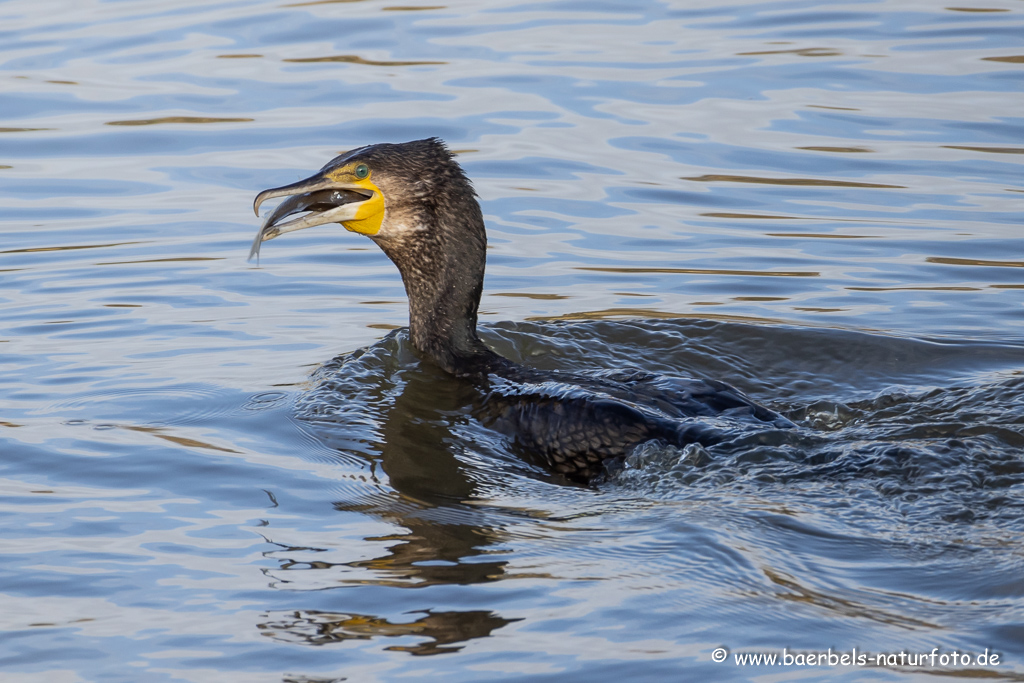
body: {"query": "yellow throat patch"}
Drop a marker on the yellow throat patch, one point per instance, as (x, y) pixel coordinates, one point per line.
(369, 214)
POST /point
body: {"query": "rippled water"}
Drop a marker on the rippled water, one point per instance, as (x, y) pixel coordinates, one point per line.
(204, 479)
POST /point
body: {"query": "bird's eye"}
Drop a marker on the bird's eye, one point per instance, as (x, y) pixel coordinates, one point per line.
(361, 171)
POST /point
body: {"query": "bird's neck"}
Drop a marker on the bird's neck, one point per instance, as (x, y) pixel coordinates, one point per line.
(444, 327)
(443, 273)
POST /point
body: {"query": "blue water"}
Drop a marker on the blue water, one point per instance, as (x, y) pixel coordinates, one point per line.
(203, 479)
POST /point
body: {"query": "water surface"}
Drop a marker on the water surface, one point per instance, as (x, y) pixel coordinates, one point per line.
(217, 470)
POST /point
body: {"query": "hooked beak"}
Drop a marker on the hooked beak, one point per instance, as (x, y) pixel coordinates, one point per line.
(326, 201)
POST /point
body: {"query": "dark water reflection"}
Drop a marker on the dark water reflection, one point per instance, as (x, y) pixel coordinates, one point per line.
(201, 479)
(443, 629)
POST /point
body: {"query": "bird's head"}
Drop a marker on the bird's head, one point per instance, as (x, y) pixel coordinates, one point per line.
(417, 204)
(385, 191)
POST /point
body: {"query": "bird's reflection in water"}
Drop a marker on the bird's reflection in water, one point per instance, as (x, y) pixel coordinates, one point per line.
(444, 629)
(438, 539)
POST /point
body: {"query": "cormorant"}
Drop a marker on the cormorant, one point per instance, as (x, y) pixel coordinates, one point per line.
(417, 204)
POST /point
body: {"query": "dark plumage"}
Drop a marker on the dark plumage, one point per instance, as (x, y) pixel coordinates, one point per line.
(417, 204)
